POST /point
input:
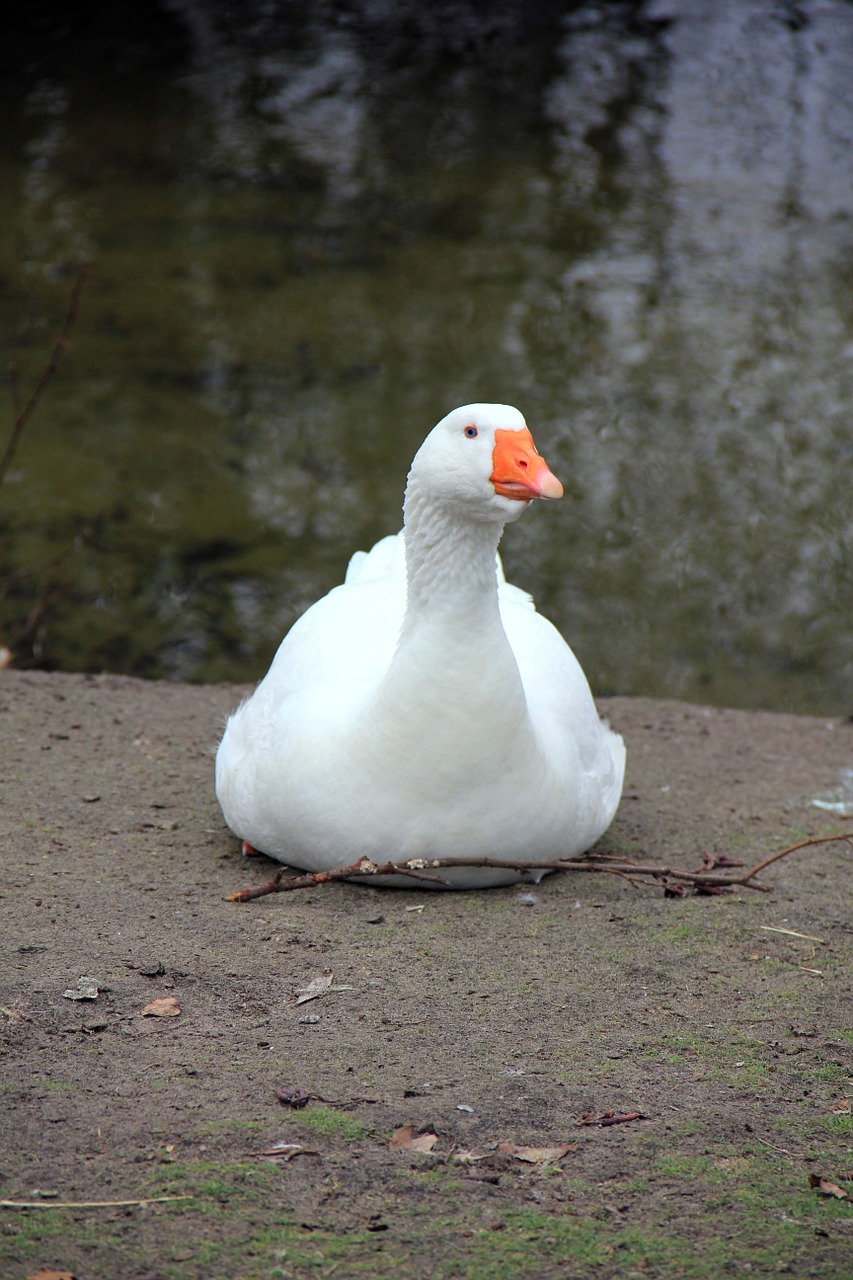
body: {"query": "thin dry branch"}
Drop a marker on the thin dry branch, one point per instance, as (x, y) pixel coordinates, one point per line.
(671, 879)
(84, 538)
(846, 836)
(47, 372)
(87, 1204)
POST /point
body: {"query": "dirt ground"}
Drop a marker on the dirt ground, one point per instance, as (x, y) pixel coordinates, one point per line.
(488, 1018)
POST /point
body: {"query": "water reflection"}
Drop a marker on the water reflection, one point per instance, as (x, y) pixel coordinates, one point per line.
(316, 231)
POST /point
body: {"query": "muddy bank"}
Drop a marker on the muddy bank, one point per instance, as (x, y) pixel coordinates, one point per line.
(488, 1017)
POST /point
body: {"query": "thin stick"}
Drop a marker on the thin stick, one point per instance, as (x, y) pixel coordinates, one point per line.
(312, 878)
(602, 864)
(87, 1204)
(609, 1118)
(792, 933)
(47, 372)
(82, 539)
(365, 869)
(802, 844)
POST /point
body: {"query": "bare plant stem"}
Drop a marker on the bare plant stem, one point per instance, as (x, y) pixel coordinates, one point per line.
(46, 374)
(670, 878)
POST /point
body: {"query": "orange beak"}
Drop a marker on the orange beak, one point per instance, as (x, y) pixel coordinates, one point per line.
(518, 471)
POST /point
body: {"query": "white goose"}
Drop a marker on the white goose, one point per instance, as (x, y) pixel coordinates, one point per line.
(424, 708)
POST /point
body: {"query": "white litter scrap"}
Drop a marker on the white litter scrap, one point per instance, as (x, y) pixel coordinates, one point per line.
(840, 800)
(86, 989)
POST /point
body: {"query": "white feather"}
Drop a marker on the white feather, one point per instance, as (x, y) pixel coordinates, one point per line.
(424, 708)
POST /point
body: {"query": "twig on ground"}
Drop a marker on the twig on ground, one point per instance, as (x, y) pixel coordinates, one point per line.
(608, 1118)
(311, 878)
(672, 879)
(792, 933)
(87, 1204)
(846, 836)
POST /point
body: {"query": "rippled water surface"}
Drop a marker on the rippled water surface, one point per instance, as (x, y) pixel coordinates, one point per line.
(313, 229)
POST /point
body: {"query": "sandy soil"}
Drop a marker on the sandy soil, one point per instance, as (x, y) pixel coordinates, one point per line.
(486, 1018)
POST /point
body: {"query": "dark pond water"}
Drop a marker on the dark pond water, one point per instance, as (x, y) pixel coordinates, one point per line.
(315, 228)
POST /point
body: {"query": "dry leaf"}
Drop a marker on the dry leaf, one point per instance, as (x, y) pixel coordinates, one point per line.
(164, 1007)
(48, 1273)
(403, 1139)
(827, 1188)
(14, 1015)
(535, 1155)
(317, 987)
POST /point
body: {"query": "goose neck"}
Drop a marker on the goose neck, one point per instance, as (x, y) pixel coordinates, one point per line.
(451, 566)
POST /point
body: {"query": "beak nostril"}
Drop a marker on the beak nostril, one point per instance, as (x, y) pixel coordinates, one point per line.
(522, 462)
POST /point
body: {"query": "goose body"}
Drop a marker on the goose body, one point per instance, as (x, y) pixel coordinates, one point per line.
(424, 709)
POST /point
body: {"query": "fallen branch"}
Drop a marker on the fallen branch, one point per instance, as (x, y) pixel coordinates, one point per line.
(364, 867)
(846, 836)
(671, 879)
(87, 1204)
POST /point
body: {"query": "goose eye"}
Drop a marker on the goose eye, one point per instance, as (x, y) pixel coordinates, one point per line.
(471, 432)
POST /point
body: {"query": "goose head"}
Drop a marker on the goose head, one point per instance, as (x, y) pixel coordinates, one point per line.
(481, 458)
